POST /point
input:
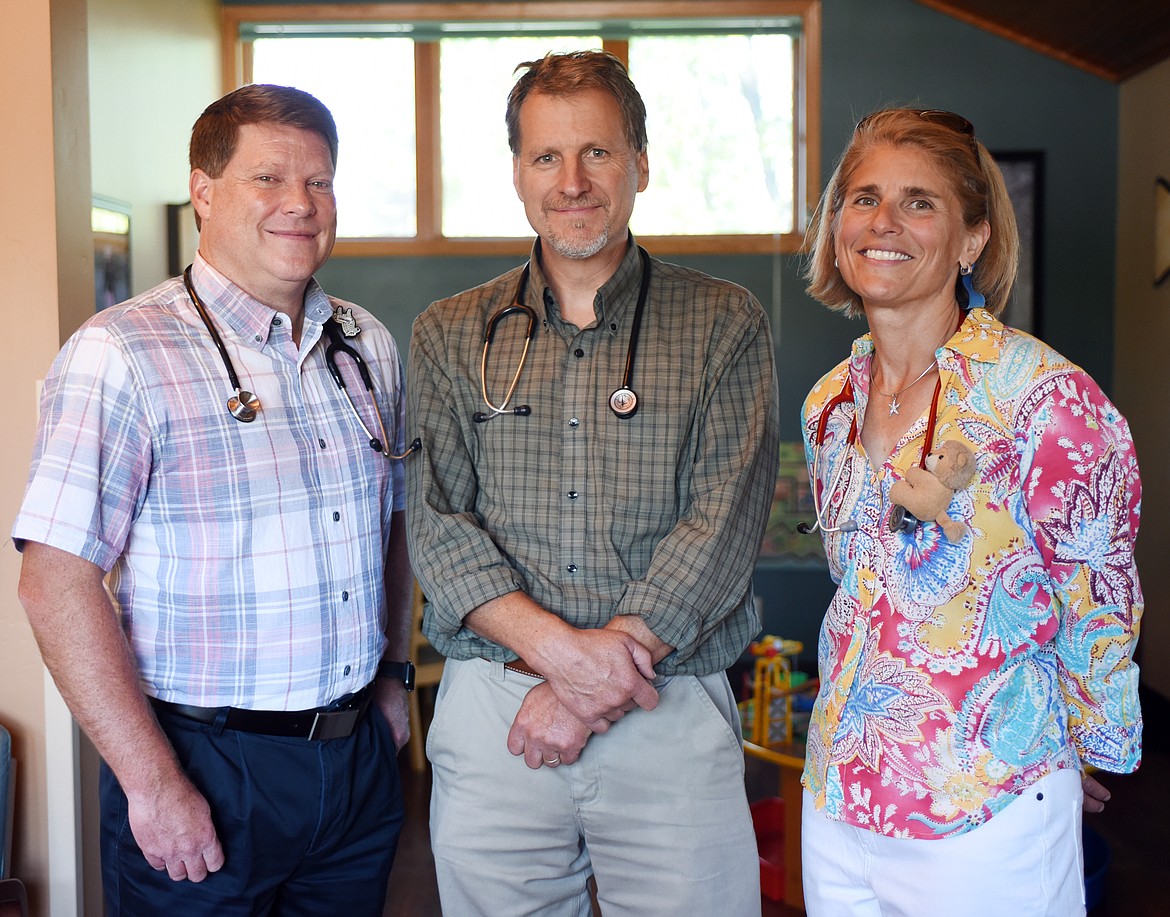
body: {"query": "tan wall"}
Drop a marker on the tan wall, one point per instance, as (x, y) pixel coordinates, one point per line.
(1142, 327)
(45, 256)
(155, 66)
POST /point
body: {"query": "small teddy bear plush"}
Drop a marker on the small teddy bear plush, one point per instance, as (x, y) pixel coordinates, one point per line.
(927, 493)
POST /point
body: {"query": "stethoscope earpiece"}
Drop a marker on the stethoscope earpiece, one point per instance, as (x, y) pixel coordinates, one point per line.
(522, 410)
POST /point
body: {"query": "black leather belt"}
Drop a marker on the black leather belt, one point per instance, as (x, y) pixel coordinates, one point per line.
(337, 721)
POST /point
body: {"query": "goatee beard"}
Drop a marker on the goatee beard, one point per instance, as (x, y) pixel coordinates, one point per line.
(578, 249)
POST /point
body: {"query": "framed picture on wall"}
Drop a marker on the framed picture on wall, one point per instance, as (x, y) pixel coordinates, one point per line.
(791, 505)
(182, 237)
(110, 224)
(1023, 173)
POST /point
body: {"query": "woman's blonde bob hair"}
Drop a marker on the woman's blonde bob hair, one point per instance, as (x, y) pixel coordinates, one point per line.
(975, 180)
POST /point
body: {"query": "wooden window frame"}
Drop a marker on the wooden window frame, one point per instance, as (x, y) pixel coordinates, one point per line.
(237, 67)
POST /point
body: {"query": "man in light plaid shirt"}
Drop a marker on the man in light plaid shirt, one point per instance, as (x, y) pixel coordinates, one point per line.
(255, 550)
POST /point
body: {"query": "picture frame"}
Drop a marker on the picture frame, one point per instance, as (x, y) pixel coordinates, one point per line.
(182, 237)
(792, 504)
(110, 225)
(1161, 231)
(1023, 174)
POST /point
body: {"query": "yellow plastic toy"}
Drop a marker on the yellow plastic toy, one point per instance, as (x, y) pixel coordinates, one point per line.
(769, 712)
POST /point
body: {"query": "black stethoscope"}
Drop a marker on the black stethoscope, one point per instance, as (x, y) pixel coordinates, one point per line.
(244, 406)
(623, 402)
(901, 519)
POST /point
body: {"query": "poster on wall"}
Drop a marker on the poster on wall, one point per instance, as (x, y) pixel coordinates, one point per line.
(1023, 173)
(110, 224)
(791, 505)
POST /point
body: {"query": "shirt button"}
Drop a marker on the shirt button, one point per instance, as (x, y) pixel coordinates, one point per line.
(578, 353)
(321, 443)
(277, 322)
(259, 338)
(345, 671)
(573, 421)
(345, 595)
(337, 517)
(573, 495)
(572, 568)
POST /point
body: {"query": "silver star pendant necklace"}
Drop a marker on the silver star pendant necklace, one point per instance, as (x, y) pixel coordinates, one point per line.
(895, 406)
(893, 396)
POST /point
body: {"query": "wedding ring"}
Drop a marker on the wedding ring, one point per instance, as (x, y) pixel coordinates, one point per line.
(553, 761)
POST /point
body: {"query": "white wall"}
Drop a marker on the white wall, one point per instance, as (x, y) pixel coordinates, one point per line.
(1142, 328)
(153, 67)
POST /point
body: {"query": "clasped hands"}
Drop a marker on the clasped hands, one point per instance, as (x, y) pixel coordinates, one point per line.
(592, 680)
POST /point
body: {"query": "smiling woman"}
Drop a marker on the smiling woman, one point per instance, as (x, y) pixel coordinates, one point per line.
(901, 232)
(918, 734)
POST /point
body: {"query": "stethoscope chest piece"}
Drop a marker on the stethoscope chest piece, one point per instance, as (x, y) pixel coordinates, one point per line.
(243, 406)
(624, 402)
(902, 520)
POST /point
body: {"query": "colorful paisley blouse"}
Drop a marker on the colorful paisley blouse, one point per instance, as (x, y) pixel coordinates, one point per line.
(955, 675)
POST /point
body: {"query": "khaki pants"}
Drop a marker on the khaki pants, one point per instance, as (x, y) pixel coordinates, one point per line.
(655, 808)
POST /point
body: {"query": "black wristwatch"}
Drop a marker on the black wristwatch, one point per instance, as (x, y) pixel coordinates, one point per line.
(403, 671)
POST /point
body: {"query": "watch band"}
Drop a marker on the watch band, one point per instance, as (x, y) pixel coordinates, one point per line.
(403, 671)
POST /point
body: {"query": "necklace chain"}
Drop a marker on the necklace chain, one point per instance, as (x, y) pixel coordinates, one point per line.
(895, 405)
(893, 396)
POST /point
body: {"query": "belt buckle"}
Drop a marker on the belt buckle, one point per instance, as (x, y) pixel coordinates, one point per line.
(334, 724)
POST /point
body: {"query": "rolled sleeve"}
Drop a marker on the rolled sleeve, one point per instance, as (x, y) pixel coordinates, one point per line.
(457, 564)
(701, 571)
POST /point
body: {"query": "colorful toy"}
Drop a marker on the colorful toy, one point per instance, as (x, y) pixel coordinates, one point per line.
(926, 492)
(768, 715)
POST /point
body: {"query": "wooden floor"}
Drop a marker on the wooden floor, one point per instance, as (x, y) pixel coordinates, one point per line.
(1135, 825)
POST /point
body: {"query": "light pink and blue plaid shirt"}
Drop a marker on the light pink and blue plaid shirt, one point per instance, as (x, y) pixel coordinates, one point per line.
(247, 560)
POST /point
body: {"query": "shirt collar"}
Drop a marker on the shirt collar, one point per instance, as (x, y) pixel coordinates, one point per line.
(250, 319)
(979, 339)
(614, 300)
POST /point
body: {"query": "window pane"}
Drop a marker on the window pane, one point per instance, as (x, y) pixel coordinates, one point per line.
(721, 143)
(368, 84)
(476, 76)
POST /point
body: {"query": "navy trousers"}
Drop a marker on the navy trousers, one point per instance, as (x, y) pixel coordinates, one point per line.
(307, 828)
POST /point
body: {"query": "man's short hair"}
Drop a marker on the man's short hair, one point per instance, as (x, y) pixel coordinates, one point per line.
(573, 72)
(214, 136)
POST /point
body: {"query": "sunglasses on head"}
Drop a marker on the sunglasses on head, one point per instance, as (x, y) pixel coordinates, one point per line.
(948, 119)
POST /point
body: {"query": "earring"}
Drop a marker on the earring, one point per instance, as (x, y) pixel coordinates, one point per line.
(835, 264)
(965, 269)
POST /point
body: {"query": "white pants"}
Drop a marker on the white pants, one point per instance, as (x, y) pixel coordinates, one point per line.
(655, 808)
(1025, 862)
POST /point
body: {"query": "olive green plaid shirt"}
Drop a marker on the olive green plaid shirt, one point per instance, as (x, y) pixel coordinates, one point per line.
(659, 514)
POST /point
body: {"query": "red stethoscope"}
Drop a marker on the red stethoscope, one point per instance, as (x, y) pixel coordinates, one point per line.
(900, 519)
